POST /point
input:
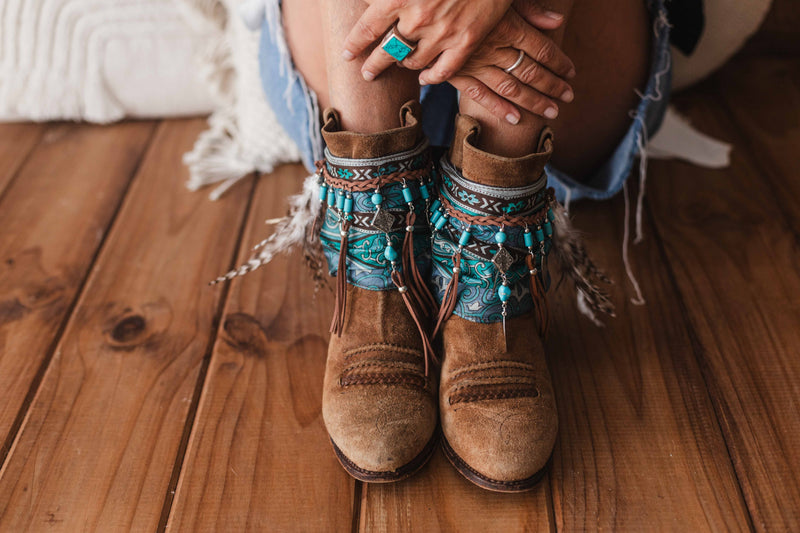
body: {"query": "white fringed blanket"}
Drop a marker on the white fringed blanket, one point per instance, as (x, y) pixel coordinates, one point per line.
(100, 60)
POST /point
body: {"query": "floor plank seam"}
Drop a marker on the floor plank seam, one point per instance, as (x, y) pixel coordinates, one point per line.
(697, 352)
(358, 491)
(13, 433)
(216, 324)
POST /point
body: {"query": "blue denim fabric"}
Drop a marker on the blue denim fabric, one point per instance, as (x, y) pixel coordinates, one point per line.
(295, 106)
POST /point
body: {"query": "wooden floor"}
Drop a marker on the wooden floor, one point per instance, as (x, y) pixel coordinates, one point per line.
(136, 397)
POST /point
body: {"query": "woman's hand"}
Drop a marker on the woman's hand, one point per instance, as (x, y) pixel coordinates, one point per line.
(534, 85)
(449, 30)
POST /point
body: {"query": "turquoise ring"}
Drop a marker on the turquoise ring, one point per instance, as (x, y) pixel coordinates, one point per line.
(396, 46)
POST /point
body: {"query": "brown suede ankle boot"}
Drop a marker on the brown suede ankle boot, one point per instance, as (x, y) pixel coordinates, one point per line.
(493, 222)
(379, 396)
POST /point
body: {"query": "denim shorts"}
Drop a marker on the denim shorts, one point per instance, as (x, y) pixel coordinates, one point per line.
(296, 108)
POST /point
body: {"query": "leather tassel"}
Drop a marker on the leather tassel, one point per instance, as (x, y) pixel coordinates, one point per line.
(413, 310)
(417, 286)
(450, 295)
(539, 298)
(337, 323)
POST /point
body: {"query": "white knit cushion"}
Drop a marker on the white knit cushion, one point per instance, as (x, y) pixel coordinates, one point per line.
(245, 135)
(99, 60)
(729, 23)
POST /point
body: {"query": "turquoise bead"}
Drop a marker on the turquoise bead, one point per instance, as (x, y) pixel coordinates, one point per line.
(339, 200)
(440, 222)
(348, 205)
(423, 191)
(390, 253)
(539, 235)
(504, 292)
(464, 238)
(548, 228)
(407, 195)
(435, 206)
(550, 216)
(331, 197)
(436, 216)
(323, 191)
(528, 236)
(500, 237)
(377, 199)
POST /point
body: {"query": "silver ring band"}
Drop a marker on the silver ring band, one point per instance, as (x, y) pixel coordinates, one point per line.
(517, 63)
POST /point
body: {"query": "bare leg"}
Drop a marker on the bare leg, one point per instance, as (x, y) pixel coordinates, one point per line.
(609, 42)
(365, 107)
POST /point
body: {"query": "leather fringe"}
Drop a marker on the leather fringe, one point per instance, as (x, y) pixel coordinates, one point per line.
(416, 285)
(337, 323)
(414, 311)
(450, 295)
(539, 298)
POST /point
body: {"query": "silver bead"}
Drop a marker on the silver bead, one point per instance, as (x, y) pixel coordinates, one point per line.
(409, 228)
(456, 270)
(402, 289)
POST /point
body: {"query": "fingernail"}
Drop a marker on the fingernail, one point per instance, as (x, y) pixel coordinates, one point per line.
(348, 55)
(422, 82)
(571, 73)
(551, 112)
(369, 76)
(553, 15)
(512, 118)
(568, 96)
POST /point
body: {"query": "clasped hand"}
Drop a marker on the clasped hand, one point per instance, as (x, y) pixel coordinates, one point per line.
(470, 44)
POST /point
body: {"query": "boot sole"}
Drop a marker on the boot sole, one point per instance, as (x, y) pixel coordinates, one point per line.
(487, 483)
(404, 472)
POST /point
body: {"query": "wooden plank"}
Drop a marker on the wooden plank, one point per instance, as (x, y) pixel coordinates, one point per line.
(640, 448)
(440, 499)
(16, 142)
(54, 217)
(734, 256)
(259, 457)
(98, 446)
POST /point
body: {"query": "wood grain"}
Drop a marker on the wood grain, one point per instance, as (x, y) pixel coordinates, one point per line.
(54, 217)
(734, 256)
(16, 142)
(639, 448)
(259, 458)
(440, 499)
(97, 448)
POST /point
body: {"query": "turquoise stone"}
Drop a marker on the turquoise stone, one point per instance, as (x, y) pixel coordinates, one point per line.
(396, 48)
(500, 237)
(504, 292)
(435, 206)
(423, 191)
(440, 222)
(377, 199)
(339, 200)
(539, 235)
(407, 195)
(331, 197)
(528, 238)
(348, 205)
(464, 238)
(548, 228)
(390, 253)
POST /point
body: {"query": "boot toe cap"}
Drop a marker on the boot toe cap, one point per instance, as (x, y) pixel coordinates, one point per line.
(380, 431)
(502, 441)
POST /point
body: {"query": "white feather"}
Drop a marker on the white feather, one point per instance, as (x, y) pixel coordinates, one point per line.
(290, 230)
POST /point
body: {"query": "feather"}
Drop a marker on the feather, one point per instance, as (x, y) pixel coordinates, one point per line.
(579, 267)
(292, 230)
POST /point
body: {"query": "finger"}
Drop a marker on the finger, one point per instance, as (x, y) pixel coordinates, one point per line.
(538, 46)
(510, 88)
(368, 29)
(378, 61)
(534, 75)
(537, 16)
(422, 56)
(477, 91)
(447, 66)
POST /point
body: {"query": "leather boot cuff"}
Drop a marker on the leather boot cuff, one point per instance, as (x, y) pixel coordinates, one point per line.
(488, 169)
(370, 145)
